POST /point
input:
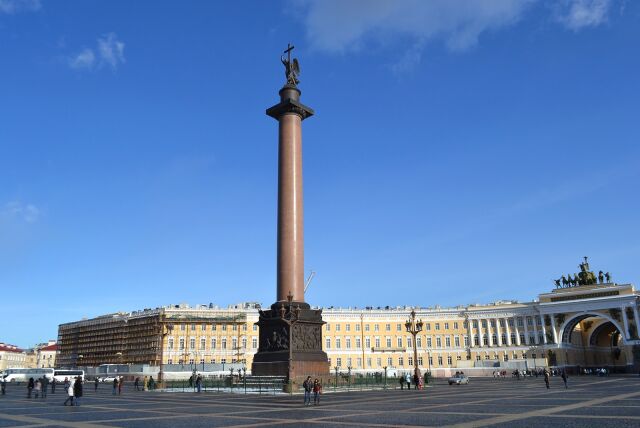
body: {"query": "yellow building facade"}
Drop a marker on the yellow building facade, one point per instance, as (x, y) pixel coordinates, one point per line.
(582, 326)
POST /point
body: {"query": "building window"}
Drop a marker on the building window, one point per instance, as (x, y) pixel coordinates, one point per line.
(400, 361)
(493, 323)
(338, 344)
(485, 340)
(183, 327)
(477, 357)
(447, 342)
(387, 327)
(521, 338)
(204, 327)
(494, 339)
(193, 327)
(244, 327)
(398, 327)
(347, 327)
(466, 341)
(213, 327)
(254, 342)
(327, 343)
(192, 343)
(410, 361)
(202, 361)
(449, 361)
(388, 342)
(399, 342)
(409, 342)
(455, 325)
(368, 362)
(376, 327)
(446, 326)
(337, 327)
(169, 361)
(339, 362)
(224, 327)
(366, 327)
(244, 343)
(255, 327)
(224, 343)
(213, 361)
(170, 343)
(427, 326)
(357, 327)
(510, 322)
(223, 361)
(420, 361)
(359, 362)
(437, 326)
(513, 338)
(181, 343)
(419, 340)
(358, 343)
(213, 343)
(379, 361)
(347, 342)
(504, 338)
(484, 323)
(349, 363)
(234, 343)
(377, 342)
(501, 322)
(191, 361)
(438, 342)
(328, 327)
(234, 327)
(475, 323)
(486, 357)
(529, 321)
(367, 342)
(506, 357)
(430, 360)
(202, 343)
(429, 342)
(456, 341)
(439, 360)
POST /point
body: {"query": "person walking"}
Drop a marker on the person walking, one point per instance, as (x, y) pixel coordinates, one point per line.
(317, 390)
(308, 386)
(45, 386)
(53, 385)
(115, 386)
(3, 386)
(416, 380)
(407, 380)
(136, 383)
(401, 382)
(77, 390)
(144, 383)
(564, 378)
(152, 383)
(546, 378)
(96, 382)
(37, 387)
(120, 382)
(30, 386)
(69, 395)
(199, 383)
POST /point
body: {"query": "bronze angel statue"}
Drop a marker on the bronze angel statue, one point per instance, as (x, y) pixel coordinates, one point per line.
(292, 67)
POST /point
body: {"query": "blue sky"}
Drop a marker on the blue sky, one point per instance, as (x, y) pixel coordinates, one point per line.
(461, 151)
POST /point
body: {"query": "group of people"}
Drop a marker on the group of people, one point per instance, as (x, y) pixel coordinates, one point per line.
(418, 381)
(312, 386)
(563, 374)
(74, 391)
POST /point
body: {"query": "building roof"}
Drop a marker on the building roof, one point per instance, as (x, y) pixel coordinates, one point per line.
(5, 347)
(53, 347)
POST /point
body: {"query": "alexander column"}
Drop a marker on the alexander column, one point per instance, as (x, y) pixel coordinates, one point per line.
(290, 332)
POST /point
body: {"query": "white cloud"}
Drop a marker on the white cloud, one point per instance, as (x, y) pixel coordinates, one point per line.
(344, 25)
(15, 6)
(578, 14)
(109, 52)
(340, 26)
(84, 60)
(18, 210)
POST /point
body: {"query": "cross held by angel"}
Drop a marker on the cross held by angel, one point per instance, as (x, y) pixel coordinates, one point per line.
(292, 67)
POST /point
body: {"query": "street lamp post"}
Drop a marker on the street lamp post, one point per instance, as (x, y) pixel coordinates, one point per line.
(336, 384)
(385, 377)
(414, 327)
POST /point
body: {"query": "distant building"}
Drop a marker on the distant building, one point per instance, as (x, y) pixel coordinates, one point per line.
(11, 356)
(46, 355)
(578, 326)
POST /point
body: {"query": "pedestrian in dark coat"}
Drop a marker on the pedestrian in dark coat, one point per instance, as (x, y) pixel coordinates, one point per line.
(96, 382)
(45, 385)
(30, 385)
(77, 390)
(546, 378)
(564, 379)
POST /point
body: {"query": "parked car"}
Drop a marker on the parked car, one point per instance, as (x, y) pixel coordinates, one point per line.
(458, 380)
(109, 379)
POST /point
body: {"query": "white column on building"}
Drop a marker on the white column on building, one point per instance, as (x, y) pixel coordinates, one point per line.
(553, 328)
(515, 325)
(536, 338)
(526, 331)
(544, 329)
(626, 323)
(508, 331)
(470, 333)
(481, 344)
(635, 318)
(498, 332)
